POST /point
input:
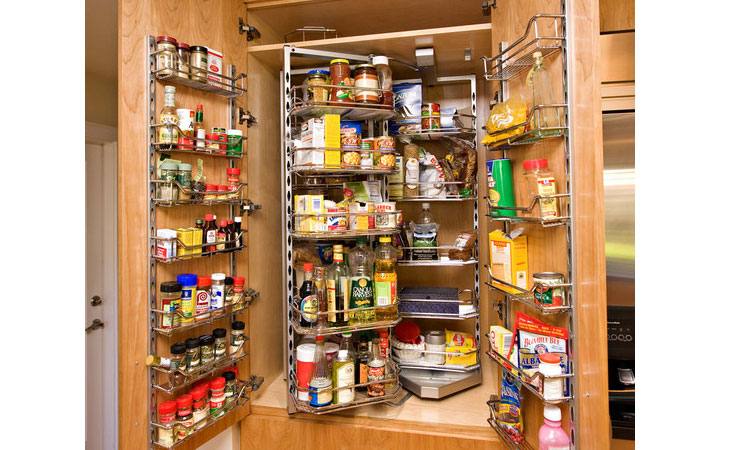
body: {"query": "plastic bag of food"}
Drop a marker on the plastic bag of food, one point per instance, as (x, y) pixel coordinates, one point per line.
(504, 116)
(509, 416)
(463, 246)
(431, 177)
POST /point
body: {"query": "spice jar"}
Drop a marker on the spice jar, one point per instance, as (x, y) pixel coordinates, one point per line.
(237, 337)
(184, 416)
(366, 78)
(228, 299)
(207, 353)
(185, 180)
(203, 385)
(188, 283)
(238, 289)
(178, 362)
(340, 76)
(230, 389)
(235, 142)
(170, 297)
(183, 60)
(200, 407)
(199, 63)
(217, 396)
(550, 366)
(202, 299)
(166, 416)
(541, 182)
(166, 58)
(167, 189)
(435, 342)
(234, 181)
(211, 192)
(222, 138)
(217, 290)
(220, 345)
(546, 292)
(192, 354)
(316, 78)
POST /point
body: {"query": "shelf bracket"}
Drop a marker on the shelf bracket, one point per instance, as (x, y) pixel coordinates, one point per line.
(246, 116)
(487, 6)
(248, 206)
(250, 31)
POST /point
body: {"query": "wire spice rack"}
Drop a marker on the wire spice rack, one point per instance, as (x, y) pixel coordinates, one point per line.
(195, 197)
(324, 329)
(198, 250)
(543, 122)
(197, 146)
(534, 383)
(411, 257)
(305, 107)
(544, 33)
(527, 297)
(508, 440)
(300, 154)
(530, 216)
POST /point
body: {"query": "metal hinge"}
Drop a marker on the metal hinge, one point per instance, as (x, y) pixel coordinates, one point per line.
(499, 307)
(249, 206)
(245, 116)
(253, 383)
(487, 6)
(249, 295)
(251, 31)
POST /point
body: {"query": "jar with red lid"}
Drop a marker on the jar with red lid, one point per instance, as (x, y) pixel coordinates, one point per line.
(200, 406)
(166, 412)
(166, 57)
(366, 78)
(184, 416)
(210, 191)
(222, 138)
(234, 181)
(183, 60)
(340, 76)
(211, 142)
(217, 396)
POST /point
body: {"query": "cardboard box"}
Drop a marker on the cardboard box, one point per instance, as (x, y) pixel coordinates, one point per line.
(395, 181)
(321, 132)
(185, 236)
(309, 204)
(500, 339)
(508, 259)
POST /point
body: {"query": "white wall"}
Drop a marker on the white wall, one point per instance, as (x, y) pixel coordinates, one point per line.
(228, 440)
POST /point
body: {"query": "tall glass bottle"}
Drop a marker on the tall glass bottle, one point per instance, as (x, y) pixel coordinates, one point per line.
(542, 94)
(320, 385)
(338, 289)
(386, 280)
(308, 306)
(361, 369)
(343, 371)
(168, 116)
(320, 286)
(361, 284)
(376, 371)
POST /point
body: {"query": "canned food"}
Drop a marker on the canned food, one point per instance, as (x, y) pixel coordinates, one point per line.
(386, 143)
(547, 289)
(430, 123)
(430, 109)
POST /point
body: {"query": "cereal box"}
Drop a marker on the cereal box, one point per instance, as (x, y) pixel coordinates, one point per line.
(508, 259)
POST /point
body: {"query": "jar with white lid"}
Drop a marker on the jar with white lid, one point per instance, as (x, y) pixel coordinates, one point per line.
(550, 366)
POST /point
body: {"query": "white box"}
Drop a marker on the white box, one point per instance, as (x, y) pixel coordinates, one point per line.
(215, 64)
(313, 133)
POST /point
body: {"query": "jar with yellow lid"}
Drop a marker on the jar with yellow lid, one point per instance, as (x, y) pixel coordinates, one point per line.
(340, 76)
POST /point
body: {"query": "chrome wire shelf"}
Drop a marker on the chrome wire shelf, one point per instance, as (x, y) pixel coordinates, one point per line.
(527, 297)
(546, 222)
(178, 244)
(209, 147)
(325, 330)
(348, 234)
(442, 254)
(299, 154)
(508, 440)
(203, 318)
(304, 107)
(197, 428)
(531, 130)
(421, 363)
(544, 33)
(532, 382)
(446, 191)
(409, 307)
(178, 379)
(228, 197)
(437, 134)
(392, 393)
(461, 129)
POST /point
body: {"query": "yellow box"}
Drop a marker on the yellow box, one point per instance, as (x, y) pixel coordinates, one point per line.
(312, 204)
(457, 341)
(332, 140)
(508, 260)
(185, 236)
(197, 241)
(500, 339)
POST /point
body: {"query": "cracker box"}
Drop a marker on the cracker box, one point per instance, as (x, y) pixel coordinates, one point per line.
(508, 259)
(309, 204)
(500, 339)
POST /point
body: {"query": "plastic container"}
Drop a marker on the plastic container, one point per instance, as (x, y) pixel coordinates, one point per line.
(549, 366)
(202, 299)
(184, 416)
(220, 345)
(200, 406)
(217, 396)
(540, 181)
(385, 79)
(188, 290)
(217, 294)
(435, 342)
(166, 416)
(237, 337)
(305, 368)
(235, 139)
(501, 187)
(551, 435)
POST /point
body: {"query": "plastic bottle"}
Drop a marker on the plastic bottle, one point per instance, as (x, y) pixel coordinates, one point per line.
(425, 234)
(542, 92)
(385, 78)
(386, 280)
(361, 284)
(321, 383)
(540, 181)
(551, 435)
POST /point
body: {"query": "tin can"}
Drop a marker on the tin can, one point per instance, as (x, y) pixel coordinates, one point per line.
(528, 359)
(385, 216)
(185, 236)
(430, 109)
(430, 123)
(500, 187)
(546, 291)
(222, 137)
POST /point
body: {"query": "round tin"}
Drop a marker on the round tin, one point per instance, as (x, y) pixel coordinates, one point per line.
(546, 293)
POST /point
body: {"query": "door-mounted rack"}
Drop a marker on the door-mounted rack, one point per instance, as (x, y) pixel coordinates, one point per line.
(195, 251)
(535, 383)
(512, 442)
(464, 128)
(448, 191)
(198, 146)
(538, 126)
(196, 197)
(529, 216)
(527, 296)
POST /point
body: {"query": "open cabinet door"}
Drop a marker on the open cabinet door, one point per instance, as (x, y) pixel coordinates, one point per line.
(146, 325)
(576, 247)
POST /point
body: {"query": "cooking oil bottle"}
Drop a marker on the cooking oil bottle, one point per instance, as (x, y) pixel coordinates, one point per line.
(386, 280)
(361, 284)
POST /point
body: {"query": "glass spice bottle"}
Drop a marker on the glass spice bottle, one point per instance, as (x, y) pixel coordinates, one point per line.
(207, 352)
(178, 362)
(183, 60)
(192, 354)
(200, 407)
(185, 180)
(376, 371)
(220, 344)
(184, 416)
(230, 389)
(166, 57)
(199, 63)
(316, 78)
(237, 337)
(166, 416)
(238, 293)
(366, 77)
(170, 292)
(217, 396)
(167, 133)
(217, 293)
(228, 288)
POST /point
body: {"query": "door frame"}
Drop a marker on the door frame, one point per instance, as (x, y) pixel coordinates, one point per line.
(106, 136)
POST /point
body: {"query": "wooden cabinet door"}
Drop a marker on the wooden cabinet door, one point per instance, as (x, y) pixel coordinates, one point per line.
(549, 250)
(211, 24)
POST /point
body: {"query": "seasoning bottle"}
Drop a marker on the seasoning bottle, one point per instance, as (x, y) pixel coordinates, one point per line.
(178, 362)
(237, 337)
(199, 63)
(209, 233)
(188, 293)
(220, 345)
(170, 292)
(157, 361)
(227, 292)
(234, 181)
(230, 390)
(210, 192)
(200, 407)
(237, 226)
(207, 352)
(167, 189)
(316, 78)
(550, 366)
(361, 364)
(168, 133)
(230, 235)
(198, 128)
(320, 385)
(238, 293)
(166, 58)
(376, 371)
(540, 181)
(202, 299)
(166, 416)
(184, 416)
(308, 304)
(217, 396)
(320, 285)
(217, 294)
(185, 180)
(220, 236)
(385, 79)
(192, 354)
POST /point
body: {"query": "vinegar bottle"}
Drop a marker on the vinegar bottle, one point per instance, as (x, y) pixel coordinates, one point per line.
(551, 435)
(386, 280)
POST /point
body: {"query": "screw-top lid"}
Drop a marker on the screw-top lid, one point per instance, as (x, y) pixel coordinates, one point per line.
(184, 401)
(178, 348)
(170, 286)
(206, 339)
(198, 48)
(383, 332)
(183, 45)
(229, 376)
(198, 392)
(385, 239)
(347, 334)
(377, 60)
(169, 165)
(239, 281)
(552, 412)
(204, 280)
(365, 66)
(187, 279)
(192, 343)
(238, 325)
(209, 217)
(549, 358)
(339, 61)
(169, 89)
(218, 383)
(185, 167)
(167, 407)
(234, 132)
(165, 38)
(237, 219)
(233, 171)
(218, 276)
(219, 333)
(534, 164)
(211, 187)
(320, 339)
(228, 281)
(319, 72)
(203, 384)
(223, 224)
(308, 267)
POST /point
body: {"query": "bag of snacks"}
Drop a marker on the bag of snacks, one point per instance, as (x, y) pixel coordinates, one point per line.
(509, 416)
(503, 116)
(463, 246)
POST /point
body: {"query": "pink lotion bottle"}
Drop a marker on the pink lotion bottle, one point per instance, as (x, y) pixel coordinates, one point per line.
(552, 436)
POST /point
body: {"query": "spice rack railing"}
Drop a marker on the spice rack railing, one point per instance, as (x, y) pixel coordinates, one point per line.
(230, 197)
(326, 330)
(544, 33)
(508, 440)
(442, 257)
(563, 199)
(177, 244)
(535, 383)
(228, 86)
(203, 318)
(422, 363)
(303, 106)
(178, 379)
(392, 390)
(239, 399)
(299, 153)
(531, 130)
(411, 132)
(448, 191)
(406, 306)
(527, 296)
(209, 147)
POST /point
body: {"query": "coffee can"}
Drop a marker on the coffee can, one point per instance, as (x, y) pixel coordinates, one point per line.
(500, 187)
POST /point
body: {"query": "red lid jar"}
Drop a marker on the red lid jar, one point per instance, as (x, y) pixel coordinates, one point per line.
(166, 411)
(535, 164)
(184, 405)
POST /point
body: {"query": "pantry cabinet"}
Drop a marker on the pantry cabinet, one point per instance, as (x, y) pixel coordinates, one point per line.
(254, 36)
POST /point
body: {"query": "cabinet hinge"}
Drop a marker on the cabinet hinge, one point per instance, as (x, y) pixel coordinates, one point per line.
(245, 116)
(251, 31)
(249, 295)
(248, 206)
(487, 6)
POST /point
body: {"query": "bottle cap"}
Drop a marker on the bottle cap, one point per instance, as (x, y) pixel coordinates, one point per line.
(187, 279)
(237, 219)
(377, 60)
(169, 89)
(552, 412)
(426, 205)
(198, 392)
(184, 401)
(308, 267)
(233, 171)
(218, 276)
(185, 167)
(165, 38)
(339, 60)
(385, 239)
(206, 339)
(183, 45)
(167, 407)
(320, 339)
(219, 333)
(533, 164)
(239, 281)
(228, 281)
(209, 217)
(177, 348)
(223, 224)
(549, 358)
(318, 72)
(192, 343)
(170, 286)
(229, 376)
(204, 280)
(199, 106)
(238, 325)
(348, 334)
(218, 383)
